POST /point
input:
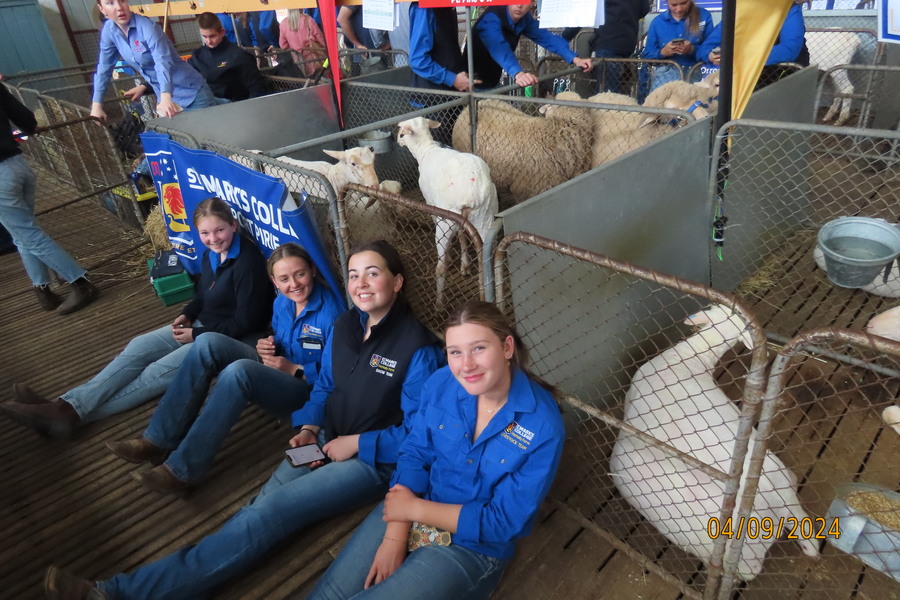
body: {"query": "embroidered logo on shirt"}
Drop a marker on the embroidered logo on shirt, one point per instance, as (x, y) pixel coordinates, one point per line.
(310, 331)
(518, 435)
(224, 63)
(383, 365)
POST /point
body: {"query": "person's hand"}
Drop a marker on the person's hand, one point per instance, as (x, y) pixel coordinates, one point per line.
(686, 48)
(462, 82)
(183, 335)
(165, 107)
(304, 437)
(97, 111)
(342, 447)
(524, 79)
(388, 558)
(400, 504)
(280, 363)
(135, 93)
(715, 58)
(585, 63)
(266, 346)
(670, 49)
(181, 321)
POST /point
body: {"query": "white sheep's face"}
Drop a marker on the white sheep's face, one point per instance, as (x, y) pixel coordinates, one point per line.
(726, 324)
(415, 129)
(359, 164)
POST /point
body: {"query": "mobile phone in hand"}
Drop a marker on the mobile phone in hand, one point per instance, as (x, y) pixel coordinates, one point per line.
(304, 455)
(678, 41)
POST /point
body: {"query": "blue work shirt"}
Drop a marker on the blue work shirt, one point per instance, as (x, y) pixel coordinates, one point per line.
(421, 42)
(490, 30)
(500, 479)
(383, 445)
(244, 36)
(301, 339)
(665, 28)
(787, 48)
(148, 51)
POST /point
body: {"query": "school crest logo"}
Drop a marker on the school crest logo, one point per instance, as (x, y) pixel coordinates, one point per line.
(173, 207)
(511, 427)
(373, 362)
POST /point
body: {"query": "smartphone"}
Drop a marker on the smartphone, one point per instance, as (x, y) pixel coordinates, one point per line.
(302, 456)
(679, 41)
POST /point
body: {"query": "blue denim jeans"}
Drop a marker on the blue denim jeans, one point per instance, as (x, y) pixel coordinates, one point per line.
(203, 99)
(664, 74)
(430, 573)
(38, 251)
(143, 370)
(196, 435)
(292, 503)
(609, 75)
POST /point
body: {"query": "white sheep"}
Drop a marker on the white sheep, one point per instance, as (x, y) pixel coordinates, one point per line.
(366, 223)
(886, 324)
(828, 49)
(891, 417)
(528, 155)
(356, 165)
(691, 97)
(452, 180)
(674, 398)
(879, 287)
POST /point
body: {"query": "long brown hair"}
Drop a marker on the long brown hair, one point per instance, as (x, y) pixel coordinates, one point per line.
(692, 20)
(478, 312)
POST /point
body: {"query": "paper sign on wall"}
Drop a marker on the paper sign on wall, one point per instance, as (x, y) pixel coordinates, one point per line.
(572, 13)
(379, 14)
(889, 21)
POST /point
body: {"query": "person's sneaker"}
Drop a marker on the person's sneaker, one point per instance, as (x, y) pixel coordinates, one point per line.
(138, 451)
(161, 480)
(83, 293)
(47, 298)
(62, 585)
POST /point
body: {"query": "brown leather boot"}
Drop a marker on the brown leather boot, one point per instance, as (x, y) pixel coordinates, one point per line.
(46, 297)
(25, 395)
(62, 585)
(83, 293)
(138, 451)
(161, 480)
(56, 419)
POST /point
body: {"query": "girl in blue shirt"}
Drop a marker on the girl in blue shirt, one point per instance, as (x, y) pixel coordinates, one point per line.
(675, 35)
(479, 459)
(278, 375)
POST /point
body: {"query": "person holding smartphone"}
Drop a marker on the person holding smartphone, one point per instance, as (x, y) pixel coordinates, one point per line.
(479, 460)
(277, 375)
(361, 409)
(674, 35)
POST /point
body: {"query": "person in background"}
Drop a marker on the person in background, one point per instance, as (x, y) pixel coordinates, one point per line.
(277, 375)
(616, 38)
(790, 45)
(361, 408)
(38, 251)
(143, 45)
(350, 20)
(230, 72)
(237, 28)
(436, 59)
(266, 28)
(233, 296)
(300, 33)
(497, 34)
(479, 460)
(399, 37)
(675, 35)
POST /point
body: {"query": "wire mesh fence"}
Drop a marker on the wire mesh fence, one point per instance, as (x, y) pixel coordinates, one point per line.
(830, 416)
(776, 185)
(658, 419)
(865, 92)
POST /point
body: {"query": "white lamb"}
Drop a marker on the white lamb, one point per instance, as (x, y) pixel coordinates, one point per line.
(356, 165)
(674, 398)
(452, 180)
(364, 222)
(886, 324)
(828, 49)
(879, 287)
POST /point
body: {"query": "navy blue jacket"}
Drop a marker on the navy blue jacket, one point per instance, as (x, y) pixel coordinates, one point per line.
(233, 298)
(13, 112)
(372, 387)
(229, 71)
(502, 477)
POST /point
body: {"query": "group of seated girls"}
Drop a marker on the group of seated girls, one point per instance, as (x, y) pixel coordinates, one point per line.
(459, 445)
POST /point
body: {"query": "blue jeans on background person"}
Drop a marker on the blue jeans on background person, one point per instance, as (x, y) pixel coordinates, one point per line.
(143, 370)
(203, 99)
(608, 76)
(431, 572)
(195, 438)
(299, 498)
(38, 251)
(664, 74)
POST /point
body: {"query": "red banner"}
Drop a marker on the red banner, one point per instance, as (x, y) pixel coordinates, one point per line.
(461, 3)
(329, 28)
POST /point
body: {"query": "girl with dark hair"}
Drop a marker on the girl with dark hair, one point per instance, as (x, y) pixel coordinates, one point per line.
(232, 297)
(479, 459)
(360, 410)
(278, 376)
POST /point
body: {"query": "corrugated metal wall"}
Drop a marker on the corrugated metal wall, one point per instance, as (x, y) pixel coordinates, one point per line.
(25, 43)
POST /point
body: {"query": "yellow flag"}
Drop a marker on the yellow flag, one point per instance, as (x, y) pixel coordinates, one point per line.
(756, 27)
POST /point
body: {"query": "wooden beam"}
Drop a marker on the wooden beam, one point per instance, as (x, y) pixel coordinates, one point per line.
(192, 7)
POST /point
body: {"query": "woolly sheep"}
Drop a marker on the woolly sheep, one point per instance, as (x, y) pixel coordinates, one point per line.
(356, 165)
(366, 224)
(682, 95)
(452, 180)
(828, 49)
(891, 417)
(528, 155)
(674, 398)
(886, 324)
(879, 287)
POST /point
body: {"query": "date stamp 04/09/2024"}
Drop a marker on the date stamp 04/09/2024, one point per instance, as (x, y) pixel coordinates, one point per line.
(767, 528)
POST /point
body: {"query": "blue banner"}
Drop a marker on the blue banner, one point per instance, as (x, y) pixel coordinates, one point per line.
(185, 177)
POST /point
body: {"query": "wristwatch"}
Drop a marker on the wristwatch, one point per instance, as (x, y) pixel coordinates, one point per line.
(299, 373)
